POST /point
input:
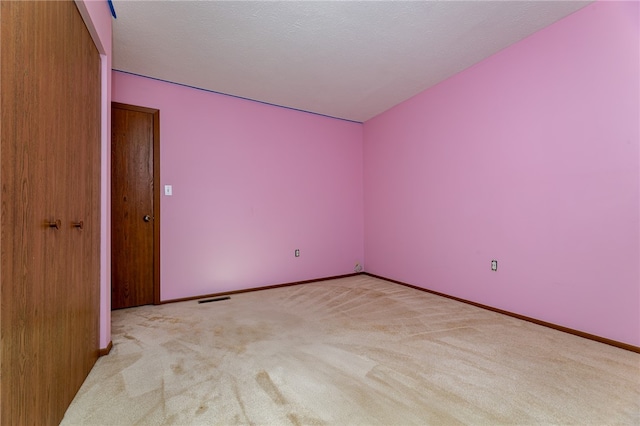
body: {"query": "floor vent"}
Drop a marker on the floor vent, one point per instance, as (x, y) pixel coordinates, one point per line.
(217, 299)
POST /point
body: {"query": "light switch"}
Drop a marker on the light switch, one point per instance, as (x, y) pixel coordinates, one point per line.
(168, 190)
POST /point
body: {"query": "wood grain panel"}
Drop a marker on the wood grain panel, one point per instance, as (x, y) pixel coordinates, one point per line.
(49, 161)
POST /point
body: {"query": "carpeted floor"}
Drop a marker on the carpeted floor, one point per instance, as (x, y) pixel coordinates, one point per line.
(352, 351)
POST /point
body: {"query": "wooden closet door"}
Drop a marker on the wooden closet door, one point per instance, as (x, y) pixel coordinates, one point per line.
(49, 171)
(82, 87)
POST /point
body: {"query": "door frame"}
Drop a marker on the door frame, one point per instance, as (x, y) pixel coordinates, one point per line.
(156, 192)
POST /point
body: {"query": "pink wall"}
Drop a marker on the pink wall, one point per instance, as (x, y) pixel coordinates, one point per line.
(97, 17)
(251, 183)
(530, 157)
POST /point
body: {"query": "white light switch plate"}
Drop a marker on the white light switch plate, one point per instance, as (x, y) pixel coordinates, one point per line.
(168, 190)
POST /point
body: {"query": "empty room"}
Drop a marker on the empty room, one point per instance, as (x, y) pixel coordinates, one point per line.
(320, 212)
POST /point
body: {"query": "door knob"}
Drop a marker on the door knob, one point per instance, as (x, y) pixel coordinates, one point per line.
(79, 225)
(146, 218)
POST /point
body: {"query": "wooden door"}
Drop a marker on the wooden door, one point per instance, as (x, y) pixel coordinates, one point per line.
(50, 171)
(134, 206)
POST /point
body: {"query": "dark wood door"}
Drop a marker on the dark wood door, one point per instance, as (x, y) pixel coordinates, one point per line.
(50, 174)
(134, 210)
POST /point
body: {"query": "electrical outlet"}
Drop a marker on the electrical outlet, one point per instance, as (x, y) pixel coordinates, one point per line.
(297, 253)
(494, 265)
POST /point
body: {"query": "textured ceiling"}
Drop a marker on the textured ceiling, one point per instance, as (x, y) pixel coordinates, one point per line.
(345, 59)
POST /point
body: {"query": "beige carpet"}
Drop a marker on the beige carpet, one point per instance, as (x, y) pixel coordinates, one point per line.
(351, 351)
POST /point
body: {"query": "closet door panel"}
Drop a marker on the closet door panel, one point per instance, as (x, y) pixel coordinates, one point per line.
(49, 171)
(84, 197)
(29, 178)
